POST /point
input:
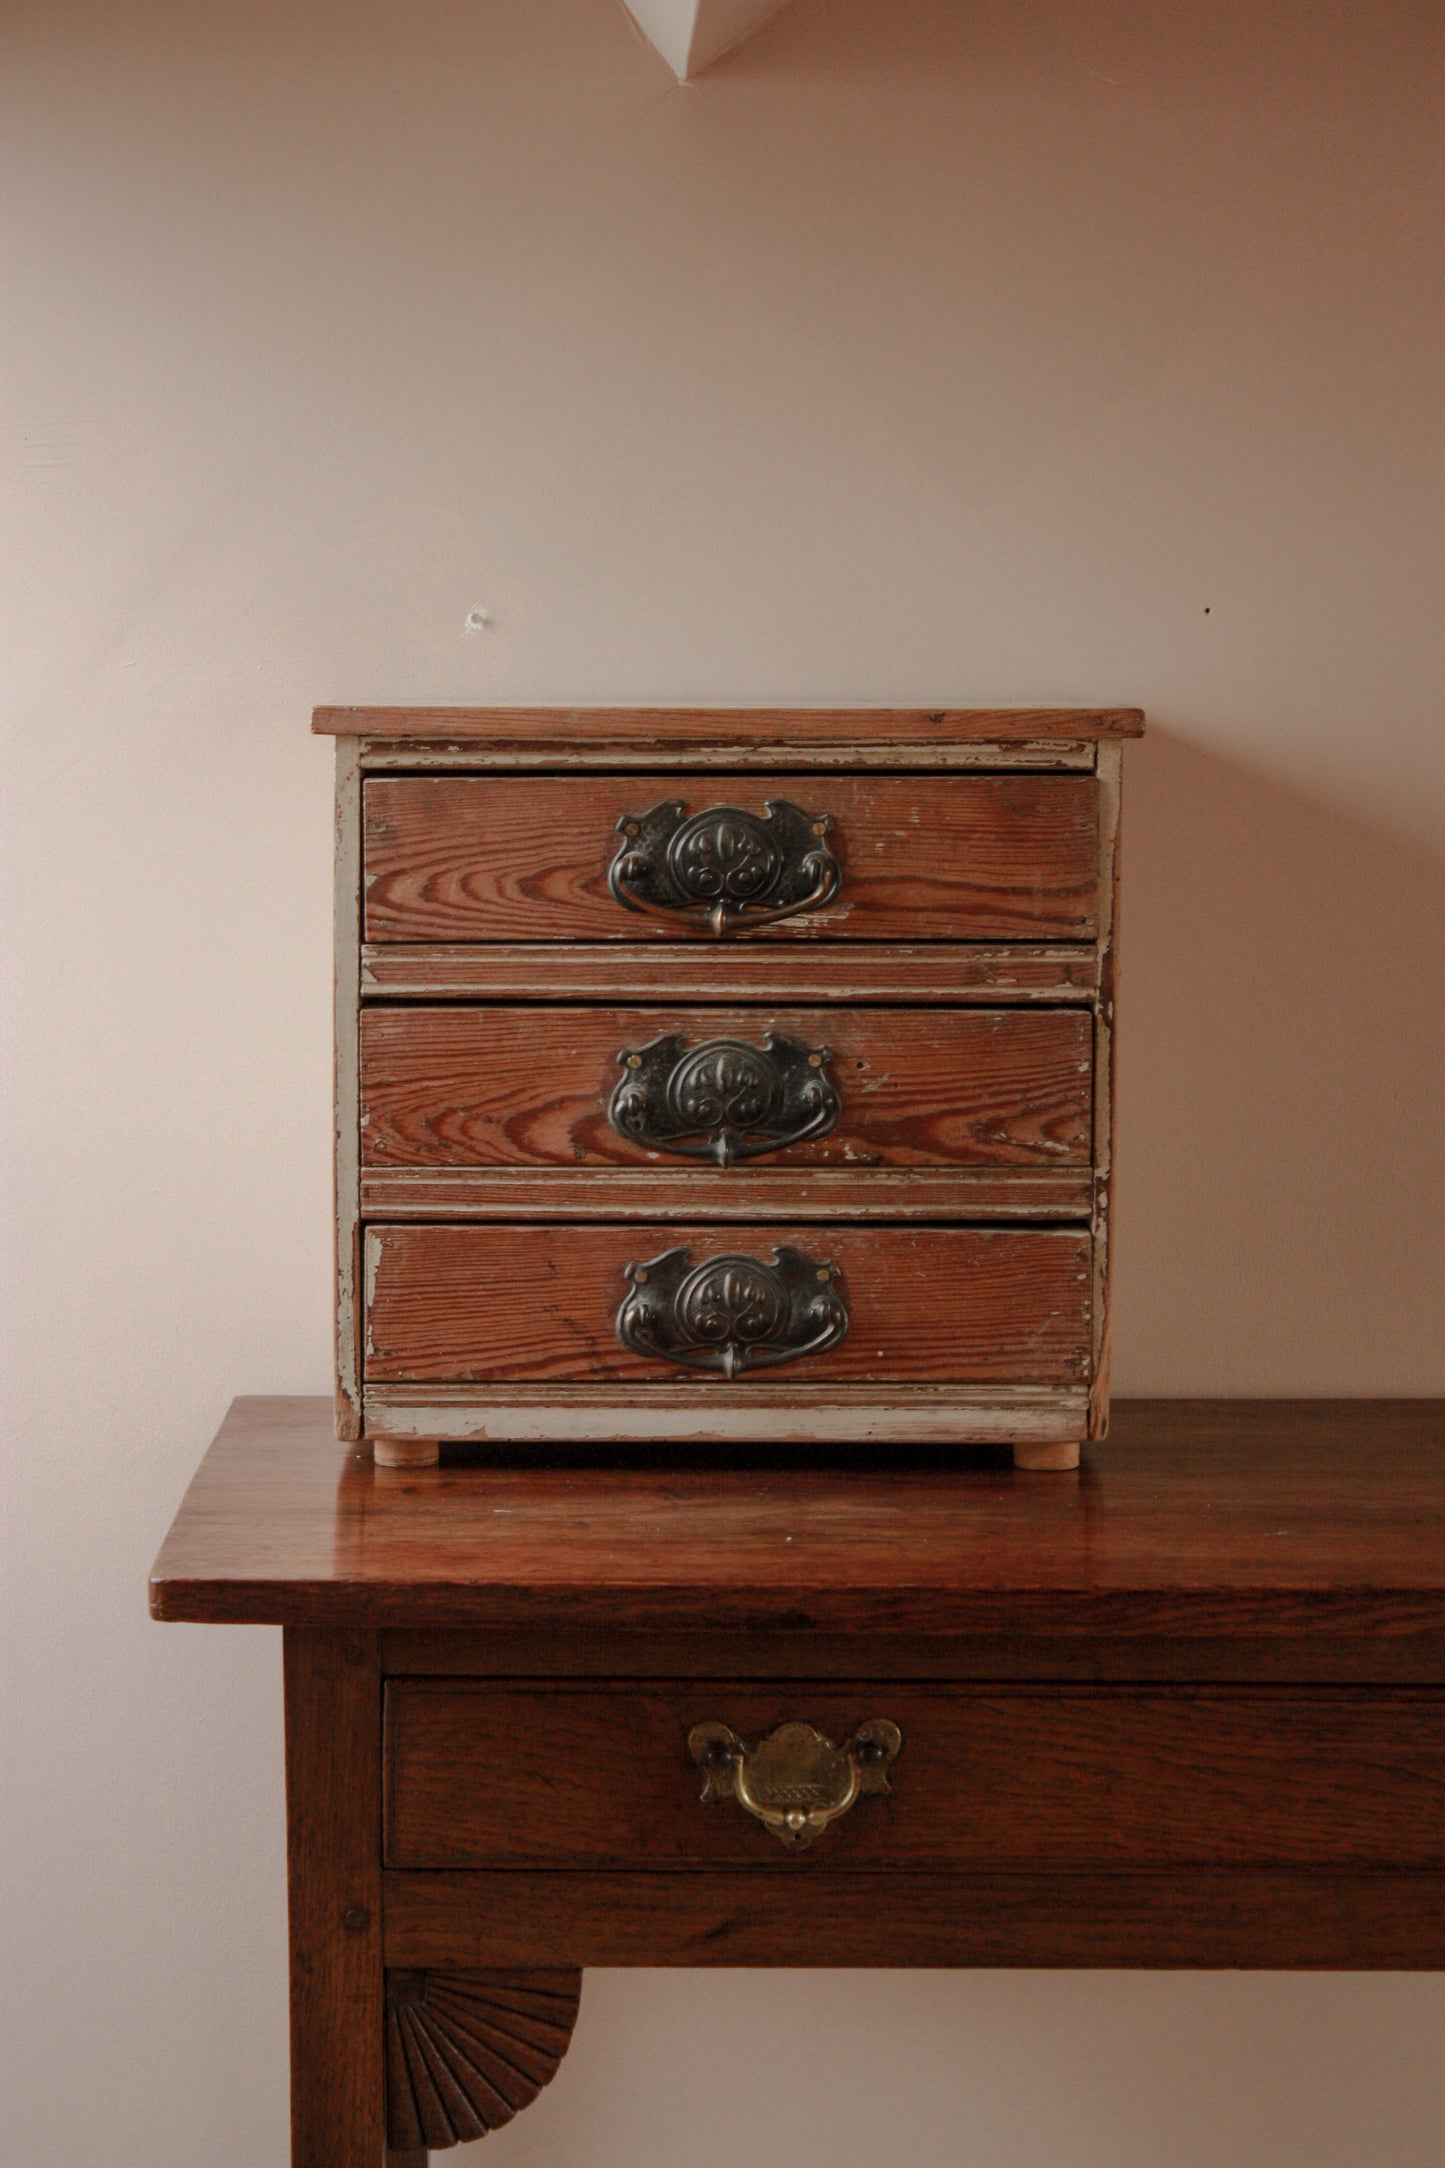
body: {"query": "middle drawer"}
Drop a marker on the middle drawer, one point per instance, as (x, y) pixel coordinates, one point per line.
(837, 1087)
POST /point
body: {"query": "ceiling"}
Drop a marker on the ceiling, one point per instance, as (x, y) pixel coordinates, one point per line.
(692, 34)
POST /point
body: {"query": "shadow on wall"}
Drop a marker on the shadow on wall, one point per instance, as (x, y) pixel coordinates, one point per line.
(994, 2070)
(1281, 1086)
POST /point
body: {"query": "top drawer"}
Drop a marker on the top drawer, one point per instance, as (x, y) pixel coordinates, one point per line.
(917, 858)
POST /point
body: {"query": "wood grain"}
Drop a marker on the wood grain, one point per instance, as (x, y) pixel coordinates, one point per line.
(729, 1653)
(1028, 1779)
(1299, 1523)
(1258, 1918)
(550, 731)
(521, 1304)
(333, 1786)
(504, 1086)
(764, 1194)
(452, 858)
(882, 971)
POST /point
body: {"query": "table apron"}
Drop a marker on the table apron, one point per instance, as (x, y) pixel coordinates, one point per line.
(794, 1915)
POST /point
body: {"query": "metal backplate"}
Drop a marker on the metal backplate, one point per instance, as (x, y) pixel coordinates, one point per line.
(723, 1100)
(732, 1314)
(727, 870)
(795, 1781)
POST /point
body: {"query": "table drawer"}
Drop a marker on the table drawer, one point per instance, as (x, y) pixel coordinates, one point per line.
(854, 1088)
(587, 1304)
(1042, 1779)
(896, 858)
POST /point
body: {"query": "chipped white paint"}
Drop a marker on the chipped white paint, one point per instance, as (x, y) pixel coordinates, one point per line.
(347, 1006)
(380, 754)
(373, 1266)
(896, 1415)
(1110, 773)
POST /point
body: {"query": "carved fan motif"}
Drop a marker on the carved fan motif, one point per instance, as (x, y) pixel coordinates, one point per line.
(466, 2050)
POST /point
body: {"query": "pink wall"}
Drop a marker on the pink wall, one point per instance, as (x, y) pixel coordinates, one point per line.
(993, 350)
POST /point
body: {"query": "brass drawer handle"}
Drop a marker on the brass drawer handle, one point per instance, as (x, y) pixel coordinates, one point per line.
(724, 867)
(731, 1313)
(795, 1782)
(723, 1100)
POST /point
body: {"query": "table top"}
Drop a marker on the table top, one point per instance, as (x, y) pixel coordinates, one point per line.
(1195, 1517)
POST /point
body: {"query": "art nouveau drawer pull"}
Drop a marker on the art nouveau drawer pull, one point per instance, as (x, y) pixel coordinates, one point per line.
(723, 1100)
(732, 1314)
(795, 1781)
(724, 868)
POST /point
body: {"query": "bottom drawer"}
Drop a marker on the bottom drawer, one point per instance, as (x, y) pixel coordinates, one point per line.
(1041, 1779)
(728, 1309)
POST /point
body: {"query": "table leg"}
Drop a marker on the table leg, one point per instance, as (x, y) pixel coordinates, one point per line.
(333, 1831)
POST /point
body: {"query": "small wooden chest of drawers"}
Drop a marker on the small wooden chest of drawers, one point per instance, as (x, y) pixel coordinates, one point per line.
(708, 1076)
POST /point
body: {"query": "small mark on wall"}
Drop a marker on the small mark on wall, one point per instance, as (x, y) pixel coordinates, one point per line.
(477, 619)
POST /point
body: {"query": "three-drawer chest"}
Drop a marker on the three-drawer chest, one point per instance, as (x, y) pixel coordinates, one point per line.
(710, 1076)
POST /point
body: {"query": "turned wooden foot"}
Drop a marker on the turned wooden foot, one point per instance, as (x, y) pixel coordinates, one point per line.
(1046, 1459)
(406, 1452)
(405, 2160)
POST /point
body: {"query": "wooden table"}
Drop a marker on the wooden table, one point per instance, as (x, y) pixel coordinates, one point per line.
(1183, 1707)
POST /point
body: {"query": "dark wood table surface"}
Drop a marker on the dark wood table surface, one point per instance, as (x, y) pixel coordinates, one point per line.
(1234, 1517)
(1186, 1706)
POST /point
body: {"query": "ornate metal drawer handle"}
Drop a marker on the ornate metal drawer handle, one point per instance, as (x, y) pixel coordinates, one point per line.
(795, 1781)
(731, 1314)
(725, 1100)
(724, 866)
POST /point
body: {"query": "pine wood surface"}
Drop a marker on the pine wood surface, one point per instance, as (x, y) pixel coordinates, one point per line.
(525, 1304)
(1192, 1917)
(477, 1087)
(758, 1192)
(881, 971)
(943, 858)
(1028, 1778)
(1225, 1522)
(555, 730)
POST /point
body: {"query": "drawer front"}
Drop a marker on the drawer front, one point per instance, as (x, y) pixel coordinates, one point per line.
(577, 1087)
(927, 858)
(1045, 1778)
(519, 1304)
